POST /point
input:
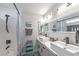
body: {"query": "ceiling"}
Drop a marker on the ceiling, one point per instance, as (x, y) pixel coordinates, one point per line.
(32, 8)
(6, 6)
(31, 11)
(35, 8)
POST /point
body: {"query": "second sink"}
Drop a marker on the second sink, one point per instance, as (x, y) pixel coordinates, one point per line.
(69, 47)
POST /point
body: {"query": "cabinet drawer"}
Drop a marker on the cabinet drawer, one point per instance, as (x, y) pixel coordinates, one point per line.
(49, 53)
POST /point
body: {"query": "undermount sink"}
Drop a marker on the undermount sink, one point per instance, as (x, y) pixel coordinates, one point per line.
(69, 47)
(43, 39)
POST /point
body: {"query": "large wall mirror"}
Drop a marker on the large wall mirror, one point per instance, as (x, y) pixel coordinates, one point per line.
(70, 25)
(44, 28)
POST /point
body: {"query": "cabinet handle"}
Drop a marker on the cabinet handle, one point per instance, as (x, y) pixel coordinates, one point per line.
(43, 47)
(41, 50)
(38, 46)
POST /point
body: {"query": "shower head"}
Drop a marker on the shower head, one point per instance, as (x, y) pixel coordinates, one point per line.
(7, 22)
(7, 15)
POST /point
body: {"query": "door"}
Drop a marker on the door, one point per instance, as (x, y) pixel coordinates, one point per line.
(44, 51)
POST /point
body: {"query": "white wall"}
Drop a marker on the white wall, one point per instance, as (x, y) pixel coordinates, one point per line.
(62, 35)
(33, 19)
(67, 11)
(8, 36)
(71, 9)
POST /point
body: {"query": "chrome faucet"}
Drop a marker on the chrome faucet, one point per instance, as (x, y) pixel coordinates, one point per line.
(67, 41)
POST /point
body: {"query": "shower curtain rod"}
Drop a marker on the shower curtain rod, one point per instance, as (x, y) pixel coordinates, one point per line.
(16, 8)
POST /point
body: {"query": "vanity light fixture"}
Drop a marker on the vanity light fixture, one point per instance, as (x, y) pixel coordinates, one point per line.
(50, 16)
(42, 20)
(61, 9)
(72, 21)
(68, 4)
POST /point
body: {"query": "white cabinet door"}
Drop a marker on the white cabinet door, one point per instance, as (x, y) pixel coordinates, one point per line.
(44, 51)
(40, 50)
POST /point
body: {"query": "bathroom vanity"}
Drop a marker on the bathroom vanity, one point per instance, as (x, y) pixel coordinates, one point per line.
(56, 48)
(44, 50)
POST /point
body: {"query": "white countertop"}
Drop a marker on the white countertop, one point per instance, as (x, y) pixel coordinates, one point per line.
(47, 44)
